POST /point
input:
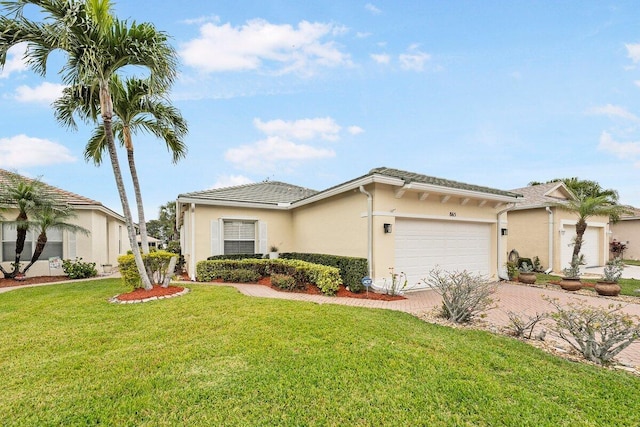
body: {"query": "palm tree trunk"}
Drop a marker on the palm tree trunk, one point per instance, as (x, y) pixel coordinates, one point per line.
(107, 114)
(581, 227)
(42, 241)
(142, 225)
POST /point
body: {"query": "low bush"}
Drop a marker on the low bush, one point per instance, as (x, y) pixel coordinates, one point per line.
(352, 269)
(598, 333)
(156, 262)
(209, 270)
(78, 269)
(464, 295)
(235, 256)
(284, 281)
(240, 275)
(523, 326)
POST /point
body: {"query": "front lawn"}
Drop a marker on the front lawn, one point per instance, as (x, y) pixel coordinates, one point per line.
(216, 357)
(627, 286)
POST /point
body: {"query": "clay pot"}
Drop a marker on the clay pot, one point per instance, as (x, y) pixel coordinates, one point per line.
(528, 278)
(608, 289)
(570, 284)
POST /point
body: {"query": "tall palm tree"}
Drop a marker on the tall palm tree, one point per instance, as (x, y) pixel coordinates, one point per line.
(135, 109)
(97, 45)
(51, 216)
(27, 196)
(586, 206)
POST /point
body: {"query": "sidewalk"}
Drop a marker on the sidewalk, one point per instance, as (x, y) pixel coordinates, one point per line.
(521, 299)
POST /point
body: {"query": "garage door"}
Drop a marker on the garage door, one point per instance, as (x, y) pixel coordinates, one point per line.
(422, 245)
(590, 246)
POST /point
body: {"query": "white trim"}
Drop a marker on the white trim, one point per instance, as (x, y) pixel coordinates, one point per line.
(434, 217)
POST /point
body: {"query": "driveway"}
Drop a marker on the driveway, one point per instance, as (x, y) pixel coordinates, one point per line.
(629, 272)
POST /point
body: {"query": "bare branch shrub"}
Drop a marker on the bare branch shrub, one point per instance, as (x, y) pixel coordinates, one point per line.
(598, 333)
(464, 294)
(523, 326)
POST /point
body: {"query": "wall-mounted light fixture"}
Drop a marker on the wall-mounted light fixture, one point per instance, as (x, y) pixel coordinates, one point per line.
(504, 232)
(562, 231)
(387, 228)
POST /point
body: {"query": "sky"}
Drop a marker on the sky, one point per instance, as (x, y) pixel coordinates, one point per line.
(316, 93)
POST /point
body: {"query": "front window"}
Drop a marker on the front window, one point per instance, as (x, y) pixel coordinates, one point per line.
(239, 237)
(53, 248)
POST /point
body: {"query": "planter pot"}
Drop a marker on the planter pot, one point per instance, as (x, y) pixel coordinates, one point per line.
(528, 278)
(107, 268)
(273, 255)
(570, 284)
(609, 289)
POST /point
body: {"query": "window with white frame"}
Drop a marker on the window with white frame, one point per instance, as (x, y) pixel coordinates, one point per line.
(53, 248)
(239, 237)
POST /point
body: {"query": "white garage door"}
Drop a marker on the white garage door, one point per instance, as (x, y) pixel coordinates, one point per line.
(422, 245)
(590, 245)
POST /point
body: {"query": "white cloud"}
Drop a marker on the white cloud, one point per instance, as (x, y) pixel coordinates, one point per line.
(259, 45)
(622, 150)
(274, 153)
(414, 59)
(371, 8)
(381, 58)
(355, 130)
(637, 83)
(614, 111)
(304, 129)
(231, 181)
(24, 151)
(633, 51)
(201, 20)
(45, 93)
(15, 62)
(362, 35)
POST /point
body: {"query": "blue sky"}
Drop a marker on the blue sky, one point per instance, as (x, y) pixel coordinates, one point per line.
(493, 93)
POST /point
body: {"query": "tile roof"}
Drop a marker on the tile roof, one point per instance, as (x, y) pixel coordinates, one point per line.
(57, 193)
(536, 196)
(266, 192)
(409, 177)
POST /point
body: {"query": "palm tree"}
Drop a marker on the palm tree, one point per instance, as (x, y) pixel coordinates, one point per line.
(586, 206)
(51, 216)
(27, 196)
(97, 45)
(134, 109)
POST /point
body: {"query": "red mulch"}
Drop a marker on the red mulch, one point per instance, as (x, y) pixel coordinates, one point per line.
(156, 291)
(6, 283)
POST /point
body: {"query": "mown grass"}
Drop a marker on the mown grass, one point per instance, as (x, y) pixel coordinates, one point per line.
(628, 287)
(215, 357)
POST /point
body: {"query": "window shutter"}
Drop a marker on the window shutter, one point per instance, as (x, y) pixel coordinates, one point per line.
(71, 250)
(216, 245)
(262, 232)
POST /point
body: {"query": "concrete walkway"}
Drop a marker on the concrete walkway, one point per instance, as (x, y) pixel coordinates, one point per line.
(520, 299)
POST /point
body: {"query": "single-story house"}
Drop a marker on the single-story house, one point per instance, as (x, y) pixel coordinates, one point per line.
(538, 227)
(107, 239)
(396, 219)
(627, 232)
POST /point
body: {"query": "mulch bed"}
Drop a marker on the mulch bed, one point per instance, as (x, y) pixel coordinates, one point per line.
(7, 283)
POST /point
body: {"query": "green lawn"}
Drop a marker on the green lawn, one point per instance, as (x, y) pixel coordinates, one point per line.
(627, 286)
(215, 357)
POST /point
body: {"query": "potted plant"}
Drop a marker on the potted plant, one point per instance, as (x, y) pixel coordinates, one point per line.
(273, 252)
(609, 286)
(526, 273)
(571, 279)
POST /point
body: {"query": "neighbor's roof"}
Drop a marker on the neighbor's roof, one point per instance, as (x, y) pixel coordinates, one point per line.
(542, 195)
(266, 192)
(59, 194)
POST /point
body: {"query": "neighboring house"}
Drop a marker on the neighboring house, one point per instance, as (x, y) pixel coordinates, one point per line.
(537, 227)
(106, 241)
(396, 219)
(627, 232)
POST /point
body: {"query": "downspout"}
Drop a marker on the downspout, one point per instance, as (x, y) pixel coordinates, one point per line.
(192, 260)
(502, 273)
(369, 229)
(551, 234)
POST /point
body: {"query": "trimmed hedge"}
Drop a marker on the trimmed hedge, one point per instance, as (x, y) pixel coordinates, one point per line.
(324, 277)
(236, 256)
(352, 269)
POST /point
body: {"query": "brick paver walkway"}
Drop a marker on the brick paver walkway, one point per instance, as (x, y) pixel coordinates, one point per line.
(524, 300)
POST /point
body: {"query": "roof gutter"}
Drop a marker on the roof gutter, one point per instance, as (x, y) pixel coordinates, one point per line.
(369, 229)
(502, 270)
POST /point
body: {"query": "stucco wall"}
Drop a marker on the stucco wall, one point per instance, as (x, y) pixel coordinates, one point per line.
(628, 232)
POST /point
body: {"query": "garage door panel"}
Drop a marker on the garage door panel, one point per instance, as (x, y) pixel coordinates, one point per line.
(421, 245)
(590, 246)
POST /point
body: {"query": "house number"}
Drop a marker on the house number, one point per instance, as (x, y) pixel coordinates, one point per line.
(452, 214)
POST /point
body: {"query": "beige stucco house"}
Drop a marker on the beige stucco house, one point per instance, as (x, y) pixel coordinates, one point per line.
(395, 219)
(537, 227)
(106, 241)
(627, 231)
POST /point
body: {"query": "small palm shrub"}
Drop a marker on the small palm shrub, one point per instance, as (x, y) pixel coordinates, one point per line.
(464, 295)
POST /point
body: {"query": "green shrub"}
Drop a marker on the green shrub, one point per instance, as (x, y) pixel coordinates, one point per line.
(284, 281)
(78, 269)
(352, 269)
(209, 270)
(235, 256)
(156, 262)
(522, 261)
(240, 275)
